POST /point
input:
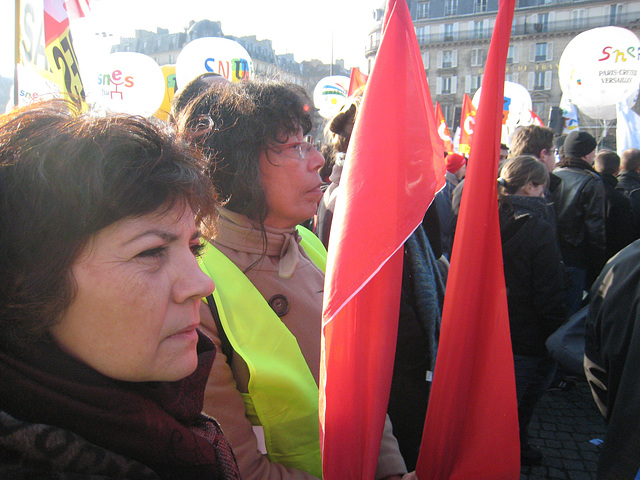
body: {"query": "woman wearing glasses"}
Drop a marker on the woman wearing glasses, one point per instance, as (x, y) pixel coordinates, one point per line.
(266, 311)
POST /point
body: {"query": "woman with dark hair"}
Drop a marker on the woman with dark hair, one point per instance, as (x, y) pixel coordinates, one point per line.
(266, 311)
(101, 364)
(534, 277)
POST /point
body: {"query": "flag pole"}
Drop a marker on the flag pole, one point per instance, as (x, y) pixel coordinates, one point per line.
(16, 52)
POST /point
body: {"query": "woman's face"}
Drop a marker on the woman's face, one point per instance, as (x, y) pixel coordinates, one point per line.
(139, 287)
(291, 183)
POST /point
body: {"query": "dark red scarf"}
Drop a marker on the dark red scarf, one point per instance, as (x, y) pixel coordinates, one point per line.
(159, 424)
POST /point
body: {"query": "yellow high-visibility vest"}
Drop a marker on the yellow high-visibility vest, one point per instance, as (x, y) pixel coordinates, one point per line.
(283, 395)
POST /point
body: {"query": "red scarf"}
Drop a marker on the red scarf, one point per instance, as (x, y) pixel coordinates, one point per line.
(159, 424)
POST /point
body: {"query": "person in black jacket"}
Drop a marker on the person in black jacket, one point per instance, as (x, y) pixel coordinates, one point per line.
(534, 277)
(612, 356)
(619, 222)
(629, 178)
(580, 208)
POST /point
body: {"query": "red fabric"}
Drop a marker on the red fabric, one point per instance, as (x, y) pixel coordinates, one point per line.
(443, 130)
(78, 8)
(467, 125)
(393, 168)
(536, 119)
(471, 428)
(56, 20)
(357, 80)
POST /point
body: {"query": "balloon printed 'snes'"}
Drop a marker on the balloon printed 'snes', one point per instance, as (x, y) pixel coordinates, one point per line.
(600, 68)
(213, 54)
(127, 82)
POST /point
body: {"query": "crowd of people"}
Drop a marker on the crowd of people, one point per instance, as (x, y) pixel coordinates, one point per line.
(161, 303)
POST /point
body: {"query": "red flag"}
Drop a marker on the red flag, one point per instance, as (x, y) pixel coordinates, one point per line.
(443, 130)
(393, 168)
(357, 80)
(471, 428)
(536, 119)
(467, 125)
(78, 8)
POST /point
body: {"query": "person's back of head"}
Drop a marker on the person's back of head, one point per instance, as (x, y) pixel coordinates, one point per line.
(580, 145)
(340, 127)
(607, 162)
(630, 160)
(531, 140)
(517, 172)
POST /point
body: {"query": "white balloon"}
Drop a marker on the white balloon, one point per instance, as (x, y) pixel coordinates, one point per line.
(600, 68)
(517, 102)
(127, 82)
(213, 54)
(331, 94)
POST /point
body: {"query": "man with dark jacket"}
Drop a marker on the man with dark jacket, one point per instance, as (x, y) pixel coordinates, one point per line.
(629, 178)
(629, 181)
(580, 207)
(619, 223)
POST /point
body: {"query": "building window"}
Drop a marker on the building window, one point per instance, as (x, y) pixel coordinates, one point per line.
(512, 77)
(447, 113)
(448, 32)
(542, 52)
(171, 58)
(513, 54)
(477, 57)
(543, 23)
(425, 59)
(450, 7)
(422, 34)
(540, 80)
(538, 108)
(476, 31)
(473, 83)
(448, 59)
(615, 14)
(374, 40)
(423, 10)
(446, 85)
(578, 19)
(479, 6)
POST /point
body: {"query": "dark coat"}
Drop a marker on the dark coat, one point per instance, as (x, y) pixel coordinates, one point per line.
(628, 181)
(612, 359)
(580, 206)
(619, 220)
(534, 273)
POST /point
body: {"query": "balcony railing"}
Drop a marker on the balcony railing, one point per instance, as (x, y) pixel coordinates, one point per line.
(529, 28)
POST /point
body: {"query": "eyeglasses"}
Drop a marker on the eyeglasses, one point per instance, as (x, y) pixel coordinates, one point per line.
(301, 149)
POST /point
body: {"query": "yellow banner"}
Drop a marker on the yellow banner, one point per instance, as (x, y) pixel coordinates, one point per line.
(64, 65)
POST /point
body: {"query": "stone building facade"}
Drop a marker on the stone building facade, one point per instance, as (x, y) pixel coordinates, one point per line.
(454, 37)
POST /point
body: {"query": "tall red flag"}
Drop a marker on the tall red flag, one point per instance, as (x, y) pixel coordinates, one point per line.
(471, 428)
(467, 125)
(443, 130)
(393, 168)
(357, 80)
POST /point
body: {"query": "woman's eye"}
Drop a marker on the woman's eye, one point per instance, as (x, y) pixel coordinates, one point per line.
(197, 249)
(153, 252)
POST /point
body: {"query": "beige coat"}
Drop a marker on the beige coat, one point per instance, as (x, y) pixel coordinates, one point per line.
(288, 271)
